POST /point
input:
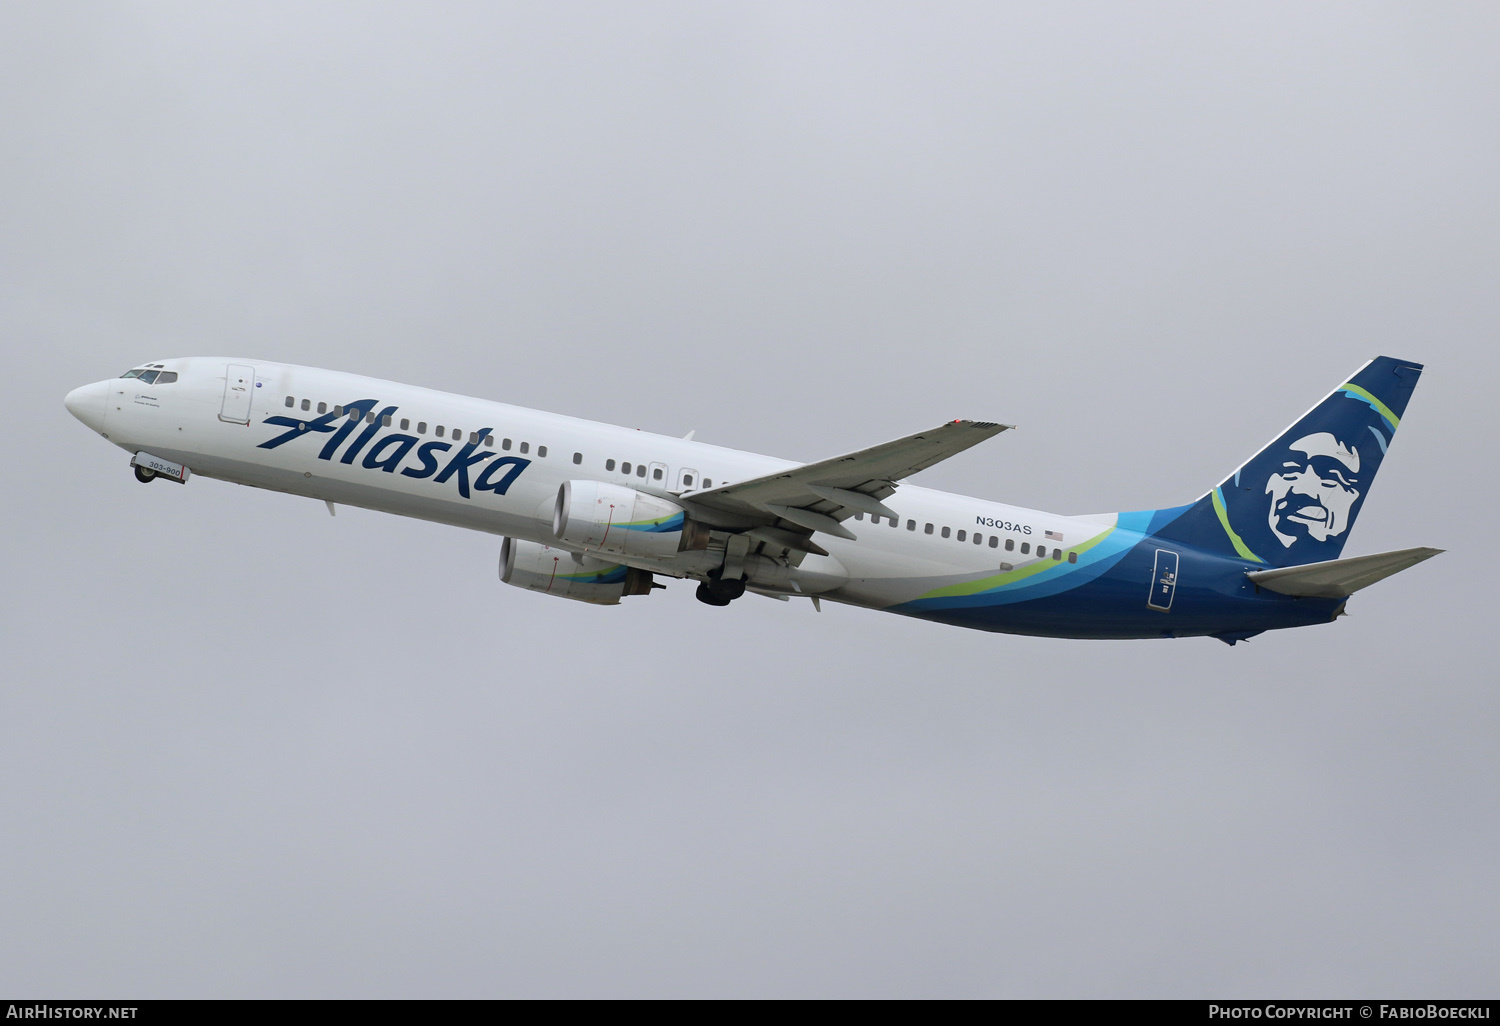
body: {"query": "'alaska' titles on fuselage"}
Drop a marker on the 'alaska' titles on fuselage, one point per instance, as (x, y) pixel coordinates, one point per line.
(388, 454)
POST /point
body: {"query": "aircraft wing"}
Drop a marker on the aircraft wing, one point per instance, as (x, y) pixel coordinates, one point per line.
(791, 504)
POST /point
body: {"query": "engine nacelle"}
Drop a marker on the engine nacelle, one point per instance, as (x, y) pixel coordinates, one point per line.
(599, 517)
(552, 571)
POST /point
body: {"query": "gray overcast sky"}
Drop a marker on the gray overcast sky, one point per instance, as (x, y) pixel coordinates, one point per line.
(252, 750)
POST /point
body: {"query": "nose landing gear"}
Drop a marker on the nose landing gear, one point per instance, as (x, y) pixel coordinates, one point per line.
(148, 468)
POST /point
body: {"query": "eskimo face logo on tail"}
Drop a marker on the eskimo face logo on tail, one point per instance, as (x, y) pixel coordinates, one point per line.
(388, 454)
(1314, 492)
(1296, 499)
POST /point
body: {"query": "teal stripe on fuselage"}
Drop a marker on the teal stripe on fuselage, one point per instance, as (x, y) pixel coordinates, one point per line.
(1129, 531)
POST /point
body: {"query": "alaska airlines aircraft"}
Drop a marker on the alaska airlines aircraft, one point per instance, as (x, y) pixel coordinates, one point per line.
(594, 512)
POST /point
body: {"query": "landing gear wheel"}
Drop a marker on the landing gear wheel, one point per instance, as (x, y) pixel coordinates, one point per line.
(730, 590)
(145, 475)
(717, 592)
(711, 597)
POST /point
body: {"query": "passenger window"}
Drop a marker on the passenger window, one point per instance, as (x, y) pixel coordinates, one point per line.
(708, 482)
(456, 433)
(385, 421)
(1025, 547)
(405, 424)
(149, 376)
(656, 473)
(290, 402)
(979, 539)
(322, 407)
(505, 444)
(994, 540)
(964, 535)
(370, 417)
(541, 452)
(438, 431)
(338, 411)
(421, 427)
(687, 480)
(640, 470)
(1072, 557)
(306, 405)
(578, 458)
(525, 446)
(946, 532)
(1057, 554)
(609, 464)
(911, 525)
(624, 468)
(1041, 551)
(473, 437)
(895, 521)
(927, 529)
(1010, 544)
(489, 440)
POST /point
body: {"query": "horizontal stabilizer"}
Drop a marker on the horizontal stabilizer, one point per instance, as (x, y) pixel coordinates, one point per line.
(1338, 578)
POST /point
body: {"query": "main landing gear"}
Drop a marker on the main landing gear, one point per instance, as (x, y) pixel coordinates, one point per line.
(717, 592)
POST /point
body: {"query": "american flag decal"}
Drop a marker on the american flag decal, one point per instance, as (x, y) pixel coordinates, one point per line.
(1054, 536)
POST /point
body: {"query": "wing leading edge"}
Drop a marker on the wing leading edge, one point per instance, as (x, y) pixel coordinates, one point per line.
(787, 506)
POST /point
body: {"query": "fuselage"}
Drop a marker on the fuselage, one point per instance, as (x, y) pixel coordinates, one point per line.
(488, 466)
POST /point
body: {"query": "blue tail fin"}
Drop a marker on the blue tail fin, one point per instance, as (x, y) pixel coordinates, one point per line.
(1295, 500)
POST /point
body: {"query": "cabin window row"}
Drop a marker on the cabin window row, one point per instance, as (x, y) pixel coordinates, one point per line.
(657, 473)
(1042, 551)
(441, 431)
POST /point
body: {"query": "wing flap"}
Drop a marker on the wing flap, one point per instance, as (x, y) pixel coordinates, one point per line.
(1339, 578)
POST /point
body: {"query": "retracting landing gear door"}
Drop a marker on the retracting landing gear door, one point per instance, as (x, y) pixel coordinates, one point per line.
(239, 389)
(1163, 580)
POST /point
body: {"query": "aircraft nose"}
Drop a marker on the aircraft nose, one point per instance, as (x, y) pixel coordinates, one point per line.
(88, 404)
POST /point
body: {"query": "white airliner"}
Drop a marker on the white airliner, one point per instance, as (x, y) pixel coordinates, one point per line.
(595, 512)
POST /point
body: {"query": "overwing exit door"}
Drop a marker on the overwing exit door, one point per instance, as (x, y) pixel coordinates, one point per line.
(239, 389)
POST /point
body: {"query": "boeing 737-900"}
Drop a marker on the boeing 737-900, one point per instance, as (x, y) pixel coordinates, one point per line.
(597, 513)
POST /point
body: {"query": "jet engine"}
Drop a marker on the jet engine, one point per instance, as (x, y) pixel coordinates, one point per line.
(600, 517)
(542, 568)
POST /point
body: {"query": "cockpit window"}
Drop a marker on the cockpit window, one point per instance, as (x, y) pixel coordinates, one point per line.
(147, 377)
(166, 377)
(134, 373)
